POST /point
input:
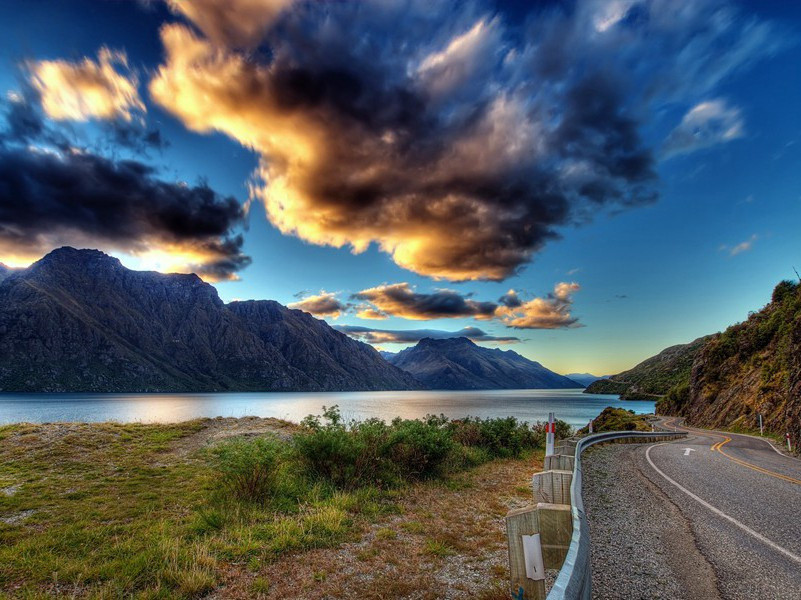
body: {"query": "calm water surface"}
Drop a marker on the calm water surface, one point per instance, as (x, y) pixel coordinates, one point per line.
(529, 405)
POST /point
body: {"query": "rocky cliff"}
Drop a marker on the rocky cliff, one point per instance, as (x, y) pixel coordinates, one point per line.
(77, 320)
(752, 367)
(460, 364)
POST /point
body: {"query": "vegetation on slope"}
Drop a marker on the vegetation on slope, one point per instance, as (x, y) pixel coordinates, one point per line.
(655, 376)
(618, 419)
(752, 367)
(170, 511)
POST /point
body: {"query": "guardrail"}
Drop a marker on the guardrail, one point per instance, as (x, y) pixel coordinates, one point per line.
(574, 581)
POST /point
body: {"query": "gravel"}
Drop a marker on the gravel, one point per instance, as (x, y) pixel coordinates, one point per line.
(641, 545)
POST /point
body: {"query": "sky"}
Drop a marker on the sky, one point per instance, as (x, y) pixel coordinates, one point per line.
(585, 182)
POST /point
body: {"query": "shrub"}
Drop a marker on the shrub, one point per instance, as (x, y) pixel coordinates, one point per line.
(417, 449)
(248, 468)
(501, 437)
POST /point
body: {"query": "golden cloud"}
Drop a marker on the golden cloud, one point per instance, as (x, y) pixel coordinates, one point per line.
(324, 304)
(233, 22)
(79, 91)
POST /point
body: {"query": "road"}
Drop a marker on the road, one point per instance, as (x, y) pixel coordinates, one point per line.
(737, 500)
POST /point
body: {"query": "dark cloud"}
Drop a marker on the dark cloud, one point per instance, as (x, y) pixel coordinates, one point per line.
(458, 142)
(510, 299)
(401, 300)
(324, 304)
(50, 198)
(412, 336)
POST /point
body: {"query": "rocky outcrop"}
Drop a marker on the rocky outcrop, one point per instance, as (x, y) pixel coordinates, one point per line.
(655, 376)
(751, 368)
(77, 320)
(460, 364)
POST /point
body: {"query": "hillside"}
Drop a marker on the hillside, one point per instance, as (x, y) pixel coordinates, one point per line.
(653, 377)
(752, 367)
(460, 364)
(584, 379)
(77, 320)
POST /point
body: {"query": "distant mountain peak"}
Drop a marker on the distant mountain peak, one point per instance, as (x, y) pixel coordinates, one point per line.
(460, 363)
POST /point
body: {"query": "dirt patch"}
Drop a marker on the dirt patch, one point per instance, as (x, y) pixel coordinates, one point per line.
(220, 428)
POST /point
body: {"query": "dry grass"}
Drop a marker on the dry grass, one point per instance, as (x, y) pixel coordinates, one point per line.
(446, 542)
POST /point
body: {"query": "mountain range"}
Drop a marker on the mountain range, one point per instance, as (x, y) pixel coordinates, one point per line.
(460, 364)
(77, 320)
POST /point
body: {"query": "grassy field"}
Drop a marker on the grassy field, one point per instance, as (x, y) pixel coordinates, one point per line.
(234, 508)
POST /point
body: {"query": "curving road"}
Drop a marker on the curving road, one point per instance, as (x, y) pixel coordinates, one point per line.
(732, 502)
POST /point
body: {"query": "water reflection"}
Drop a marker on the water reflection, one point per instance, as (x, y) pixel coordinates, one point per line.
(572, 406)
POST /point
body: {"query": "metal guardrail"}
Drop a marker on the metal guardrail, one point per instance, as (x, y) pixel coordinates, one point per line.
(575, 579)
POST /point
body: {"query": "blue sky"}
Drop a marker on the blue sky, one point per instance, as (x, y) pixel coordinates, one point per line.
(715, 230)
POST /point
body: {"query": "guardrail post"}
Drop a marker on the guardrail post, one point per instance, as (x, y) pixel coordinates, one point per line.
(559, 462)
(538, 538)
(552, 487)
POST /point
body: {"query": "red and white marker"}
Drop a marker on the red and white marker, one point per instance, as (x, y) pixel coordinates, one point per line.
(550, 435)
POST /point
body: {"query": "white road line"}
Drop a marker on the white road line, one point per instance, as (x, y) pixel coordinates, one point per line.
(720, 513)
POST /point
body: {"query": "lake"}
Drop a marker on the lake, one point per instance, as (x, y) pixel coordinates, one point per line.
(572, 406)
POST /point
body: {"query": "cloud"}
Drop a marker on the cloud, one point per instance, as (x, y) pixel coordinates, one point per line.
(51, 197)
(744, 246)
(412, 336)
(79, 91)
(550, 312)
(457, 143)
(706, 124)
(324, 304)
(237, 23)
(400, 300)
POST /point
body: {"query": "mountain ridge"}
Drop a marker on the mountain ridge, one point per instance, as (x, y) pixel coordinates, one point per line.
(78, 320)
(460, 364)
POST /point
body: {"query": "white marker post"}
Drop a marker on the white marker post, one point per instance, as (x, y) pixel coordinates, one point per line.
(590, 426)
(550, 434)
(761, 432)
(789, 446)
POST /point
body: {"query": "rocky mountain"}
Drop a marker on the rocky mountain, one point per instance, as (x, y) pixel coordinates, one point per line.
(459, 364)
(77, 320)
(4, 271)
(584, 379)
(751, 368)
(653, 377)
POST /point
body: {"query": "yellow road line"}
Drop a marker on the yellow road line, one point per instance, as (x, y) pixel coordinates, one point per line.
(754, 467)
(719, 445)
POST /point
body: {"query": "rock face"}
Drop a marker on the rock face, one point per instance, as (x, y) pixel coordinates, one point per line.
(78, 320)
(751, 368)
(4, 271)
(653, 377)
(459, 364)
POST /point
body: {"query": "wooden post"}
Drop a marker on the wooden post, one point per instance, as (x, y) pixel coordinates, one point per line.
(559, 462)
(552, 487)
(538, 538)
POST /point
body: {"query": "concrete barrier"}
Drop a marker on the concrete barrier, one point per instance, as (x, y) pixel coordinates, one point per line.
(574, 581)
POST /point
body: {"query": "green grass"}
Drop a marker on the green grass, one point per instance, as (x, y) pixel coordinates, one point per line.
(116, 511)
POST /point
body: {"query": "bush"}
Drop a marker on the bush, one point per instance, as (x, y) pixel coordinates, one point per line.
(417, 449)
(248, 468)
(501, 437)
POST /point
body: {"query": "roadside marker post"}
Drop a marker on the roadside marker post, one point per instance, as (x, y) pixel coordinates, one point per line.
(789, 445)
(761, 432)
(550, 434)
(590, 425)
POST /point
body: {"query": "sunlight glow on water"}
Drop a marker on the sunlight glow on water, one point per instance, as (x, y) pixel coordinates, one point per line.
(572, 406)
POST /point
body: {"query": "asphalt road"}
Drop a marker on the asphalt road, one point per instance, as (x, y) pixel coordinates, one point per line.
(742, 501)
